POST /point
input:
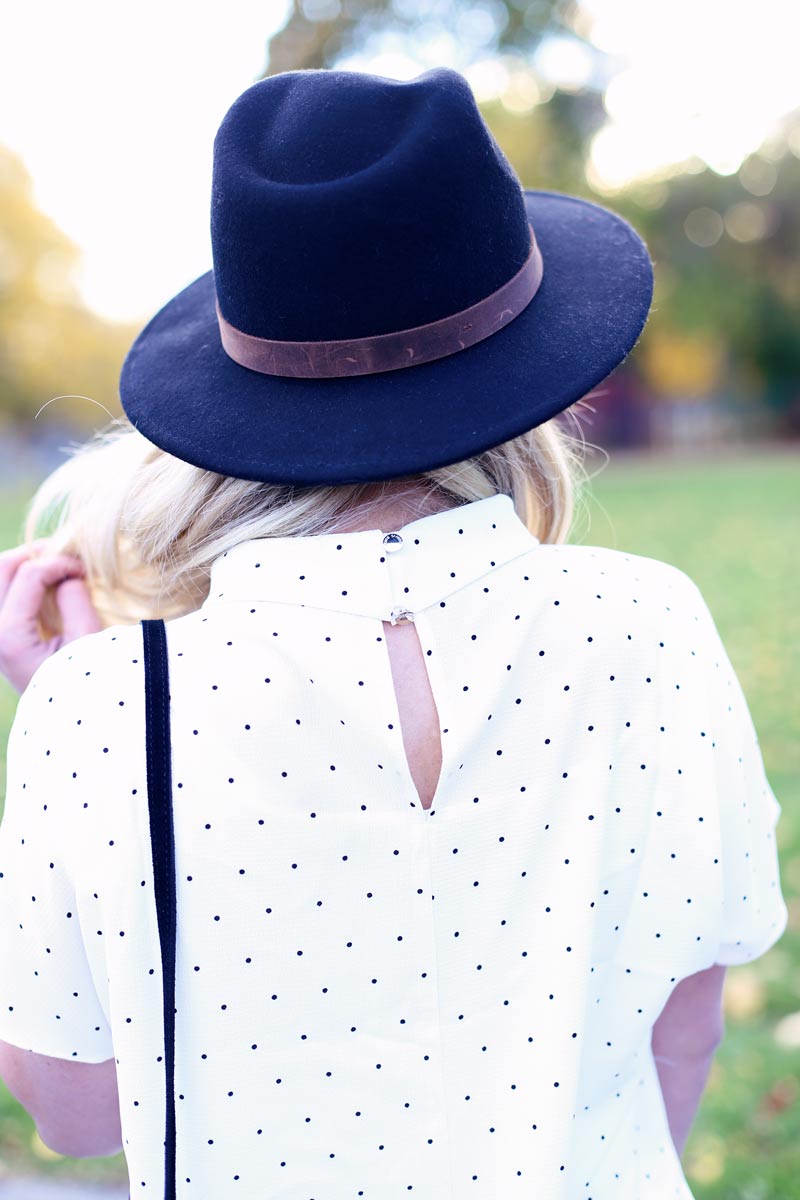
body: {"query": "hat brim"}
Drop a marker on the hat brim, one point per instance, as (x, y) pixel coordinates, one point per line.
(183, 393)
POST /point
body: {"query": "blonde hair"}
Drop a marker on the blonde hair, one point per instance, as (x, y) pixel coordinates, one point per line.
(148, 526)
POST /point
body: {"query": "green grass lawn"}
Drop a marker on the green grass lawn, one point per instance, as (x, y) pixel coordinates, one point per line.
(732, 526)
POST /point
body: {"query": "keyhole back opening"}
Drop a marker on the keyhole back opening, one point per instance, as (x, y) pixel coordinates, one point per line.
(416, 706)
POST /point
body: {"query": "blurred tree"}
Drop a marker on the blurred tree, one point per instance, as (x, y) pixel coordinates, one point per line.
(547, 142)
(318, 33)
(50, 344)
(727, 254)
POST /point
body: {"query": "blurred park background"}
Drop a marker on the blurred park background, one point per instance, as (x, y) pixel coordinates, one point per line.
(684, 117)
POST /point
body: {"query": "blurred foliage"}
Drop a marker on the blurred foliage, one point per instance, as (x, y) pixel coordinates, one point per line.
(50, 344)
(318, 33)
(727, 254)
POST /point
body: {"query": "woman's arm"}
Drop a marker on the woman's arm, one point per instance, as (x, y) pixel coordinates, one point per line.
(685, 1039)
(75, 1105)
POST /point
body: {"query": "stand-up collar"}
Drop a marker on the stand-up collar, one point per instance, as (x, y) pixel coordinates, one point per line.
(372, 572)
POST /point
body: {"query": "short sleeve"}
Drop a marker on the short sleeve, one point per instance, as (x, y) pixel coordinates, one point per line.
(754, 913)
(48, 1000)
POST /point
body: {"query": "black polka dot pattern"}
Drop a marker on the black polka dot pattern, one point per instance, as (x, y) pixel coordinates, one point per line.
(373, 998)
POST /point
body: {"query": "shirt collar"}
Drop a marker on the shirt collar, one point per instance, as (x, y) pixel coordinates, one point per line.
(373, 573)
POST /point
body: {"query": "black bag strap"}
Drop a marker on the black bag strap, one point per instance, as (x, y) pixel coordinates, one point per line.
(159, 798)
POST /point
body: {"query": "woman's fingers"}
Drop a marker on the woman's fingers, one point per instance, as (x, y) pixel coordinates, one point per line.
(22, 649)
(78, 614)
(31, 579)
(12, 560)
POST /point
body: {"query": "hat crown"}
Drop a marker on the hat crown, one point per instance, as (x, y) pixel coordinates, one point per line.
(346, 205)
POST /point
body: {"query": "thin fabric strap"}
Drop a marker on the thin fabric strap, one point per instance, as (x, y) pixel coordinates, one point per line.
(159, 798)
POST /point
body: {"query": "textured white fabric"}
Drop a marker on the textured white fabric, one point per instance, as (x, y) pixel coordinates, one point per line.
(374, 999)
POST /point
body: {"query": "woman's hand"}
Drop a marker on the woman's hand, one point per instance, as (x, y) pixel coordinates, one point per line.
(26, 574)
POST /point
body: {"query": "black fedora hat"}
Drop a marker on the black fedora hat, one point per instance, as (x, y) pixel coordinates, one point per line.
(385, 297)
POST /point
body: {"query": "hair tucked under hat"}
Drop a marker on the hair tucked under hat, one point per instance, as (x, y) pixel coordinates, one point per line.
(148, 526)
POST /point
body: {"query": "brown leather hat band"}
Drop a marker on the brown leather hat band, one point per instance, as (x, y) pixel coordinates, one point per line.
(388, 351)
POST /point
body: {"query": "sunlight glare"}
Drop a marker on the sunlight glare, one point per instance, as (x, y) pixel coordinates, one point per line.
(702, 79)
(488, 79)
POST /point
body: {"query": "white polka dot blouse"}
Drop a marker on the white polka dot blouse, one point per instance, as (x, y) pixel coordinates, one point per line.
(375, 999)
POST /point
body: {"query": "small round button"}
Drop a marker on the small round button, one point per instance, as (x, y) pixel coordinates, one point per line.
(399, 615)
(392, 542)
